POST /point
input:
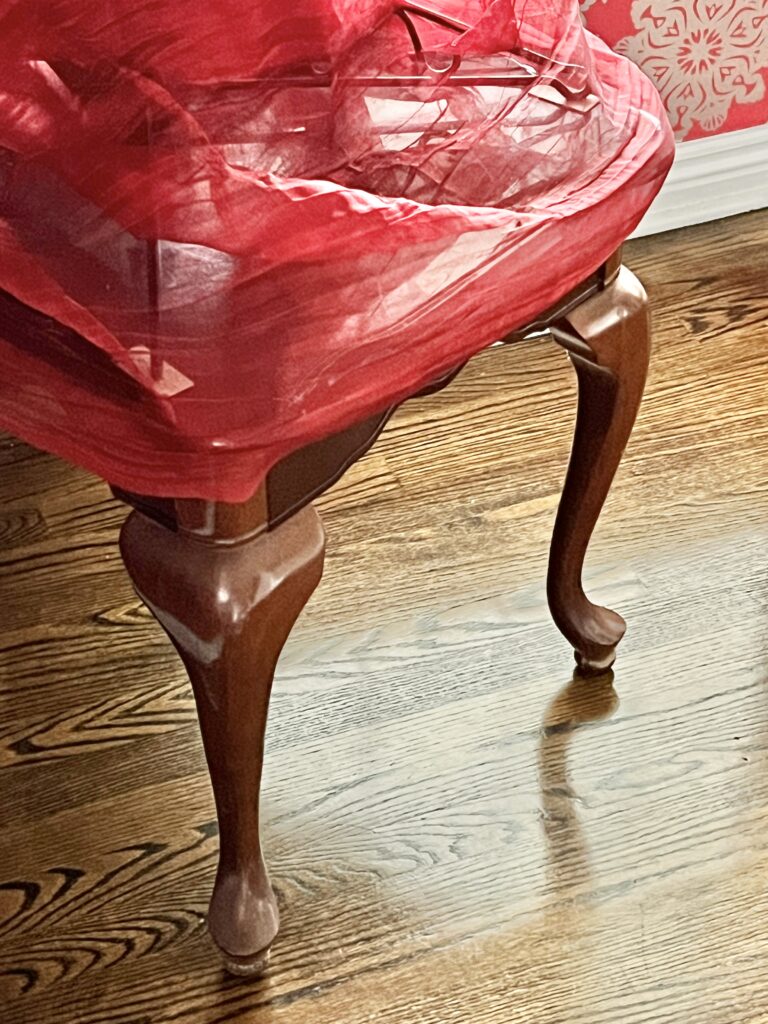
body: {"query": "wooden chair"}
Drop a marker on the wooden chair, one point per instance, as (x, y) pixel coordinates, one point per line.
(227, 582)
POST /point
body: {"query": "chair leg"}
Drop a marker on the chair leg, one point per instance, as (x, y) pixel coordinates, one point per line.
(228, 608)
(608, 340)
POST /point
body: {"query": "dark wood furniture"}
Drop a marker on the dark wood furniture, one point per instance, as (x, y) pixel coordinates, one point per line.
(227, 582)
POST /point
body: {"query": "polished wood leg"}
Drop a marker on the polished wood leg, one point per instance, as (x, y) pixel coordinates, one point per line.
(608, 340)
(228, 608)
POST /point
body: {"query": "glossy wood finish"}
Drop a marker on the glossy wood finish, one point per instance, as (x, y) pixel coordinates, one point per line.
(228, 603)
(455, 830)
(227, 582)
(608, 339)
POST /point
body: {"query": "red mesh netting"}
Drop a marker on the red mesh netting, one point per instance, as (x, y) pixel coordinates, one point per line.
(243, 225)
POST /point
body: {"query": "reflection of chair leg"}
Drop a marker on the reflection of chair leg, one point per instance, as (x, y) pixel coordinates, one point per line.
(228, 609)
(608, 340)
(576, 705)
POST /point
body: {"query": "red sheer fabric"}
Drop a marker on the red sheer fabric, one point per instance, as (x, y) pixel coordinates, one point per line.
(230, 229)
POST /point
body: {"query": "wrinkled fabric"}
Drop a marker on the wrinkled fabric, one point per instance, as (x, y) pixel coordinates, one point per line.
(230, 229)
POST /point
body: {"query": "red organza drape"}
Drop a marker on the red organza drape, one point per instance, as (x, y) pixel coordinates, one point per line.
(228, 229)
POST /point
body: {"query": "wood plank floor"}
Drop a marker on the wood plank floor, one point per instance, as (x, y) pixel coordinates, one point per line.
(458, 832)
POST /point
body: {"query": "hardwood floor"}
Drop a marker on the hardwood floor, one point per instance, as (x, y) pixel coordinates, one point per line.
(458, 832)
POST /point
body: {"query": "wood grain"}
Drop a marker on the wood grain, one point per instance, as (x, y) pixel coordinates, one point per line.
(457, 831)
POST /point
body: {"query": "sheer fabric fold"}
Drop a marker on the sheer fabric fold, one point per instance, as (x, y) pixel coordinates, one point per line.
(228, 230)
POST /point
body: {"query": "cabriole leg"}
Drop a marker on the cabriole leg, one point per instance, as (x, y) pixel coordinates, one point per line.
(228, 608)
(608, 340)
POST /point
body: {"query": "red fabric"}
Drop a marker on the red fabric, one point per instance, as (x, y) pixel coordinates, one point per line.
(246, 225)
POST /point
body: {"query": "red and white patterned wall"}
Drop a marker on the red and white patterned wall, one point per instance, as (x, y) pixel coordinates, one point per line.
(708, 58)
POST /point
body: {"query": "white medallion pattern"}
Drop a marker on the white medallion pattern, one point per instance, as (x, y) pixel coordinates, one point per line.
(703, 55)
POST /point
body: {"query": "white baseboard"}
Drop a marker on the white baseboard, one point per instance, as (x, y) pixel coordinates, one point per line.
(712, 178)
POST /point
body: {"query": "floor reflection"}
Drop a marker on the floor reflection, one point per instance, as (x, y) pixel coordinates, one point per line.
(583, 702)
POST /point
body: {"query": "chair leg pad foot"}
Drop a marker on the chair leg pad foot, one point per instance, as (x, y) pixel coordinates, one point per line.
(247, 966)
(594, 666)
